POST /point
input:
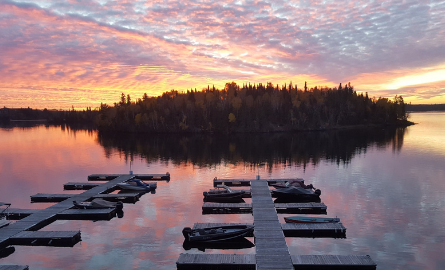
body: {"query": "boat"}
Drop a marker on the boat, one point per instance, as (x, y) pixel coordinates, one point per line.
(4, 214)
(223, 193)
(292, 183)
(298, 219)
(98, 204)
(137, 184)
(297, 193)
(237, 243)
(5, 252)
(220, 233)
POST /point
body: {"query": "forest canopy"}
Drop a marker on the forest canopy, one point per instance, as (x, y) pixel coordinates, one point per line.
(251, 108)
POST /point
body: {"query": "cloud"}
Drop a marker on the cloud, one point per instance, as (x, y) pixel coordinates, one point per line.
(102, 45)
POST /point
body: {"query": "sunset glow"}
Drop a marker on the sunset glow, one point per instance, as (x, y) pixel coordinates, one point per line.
(59, 54)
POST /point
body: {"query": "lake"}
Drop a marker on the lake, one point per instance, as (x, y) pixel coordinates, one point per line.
(386, 185)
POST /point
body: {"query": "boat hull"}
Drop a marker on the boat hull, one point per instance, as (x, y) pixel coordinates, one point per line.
(310, 220)
(214, 234)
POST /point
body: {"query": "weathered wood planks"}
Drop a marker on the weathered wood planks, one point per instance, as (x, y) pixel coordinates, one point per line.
(290, 208)
(248, 261)
(14, 267)
(216, 261)
(79, 186)
(107, 177)
(46, 238)
(246, 182)
(124, 197)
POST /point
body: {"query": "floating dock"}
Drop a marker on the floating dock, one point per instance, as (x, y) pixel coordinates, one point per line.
(244, 182)
(14, 267)
(336, 230)
(271, 248)
(79, 185)
(285, 208)
(35, 221)
(108, 177)
(132, 197)
(248, 261)
(46, 238)
(69, 214)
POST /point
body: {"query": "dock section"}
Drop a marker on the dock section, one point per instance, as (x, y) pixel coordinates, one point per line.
(271, 248)
(41, 218)
(248, 261)
(108, 177)
(285, 208)
(14, 267)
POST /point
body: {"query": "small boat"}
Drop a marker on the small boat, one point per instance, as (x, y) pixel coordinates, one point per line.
(137, 184)
(292, 183)
(297, 193)
(5, 252)
(237, 243)
(297, 219)
(4, 214)
(98, 204)
(220, 233)
(223, 193)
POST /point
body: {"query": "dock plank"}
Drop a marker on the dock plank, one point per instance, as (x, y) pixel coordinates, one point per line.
(247, 182)
(79, 185)
(333, 262)
(14, 267)
(215, 261)
(108, 177)
(46, 238)
(288, 208)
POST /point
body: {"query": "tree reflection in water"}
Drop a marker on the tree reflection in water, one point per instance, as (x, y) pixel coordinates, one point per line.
(270, 149)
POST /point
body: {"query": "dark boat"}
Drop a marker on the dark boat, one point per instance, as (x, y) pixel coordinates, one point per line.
(98, 204)
(223, 193)
(298, 219)
(297, 193)
(220, 233)
(237, 243)
(5, 252)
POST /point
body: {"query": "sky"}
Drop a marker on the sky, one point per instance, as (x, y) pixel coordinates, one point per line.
(78, 53)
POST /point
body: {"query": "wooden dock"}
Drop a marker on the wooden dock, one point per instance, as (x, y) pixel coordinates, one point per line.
(108, 177)
(79, 185)
(239, 208)
(271, 248)
(336, 230)
(46, 238)
(14, 267)
(54, 198)
(41, 218)
(69, 214)
(248, 261)
(246, 182)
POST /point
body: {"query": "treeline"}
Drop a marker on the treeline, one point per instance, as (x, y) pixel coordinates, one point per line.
(251, 108)
(84, 117)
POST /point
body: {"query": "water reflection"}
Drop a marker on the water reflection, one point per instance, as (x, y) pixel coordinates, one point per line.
(269, 149)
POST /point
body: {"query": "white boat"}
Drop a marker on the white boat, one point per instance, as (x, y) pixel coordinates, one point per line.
(137, 184)
(3, 214)
(98, 204)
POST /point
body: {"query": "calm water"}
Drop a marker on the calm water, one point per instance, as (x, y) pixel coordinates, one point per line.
(387, 186)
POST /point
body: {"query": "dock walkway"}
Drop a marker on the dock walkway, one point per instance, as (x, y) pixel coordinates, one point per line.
(42, 218)
(272, 251)
(271, 248)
